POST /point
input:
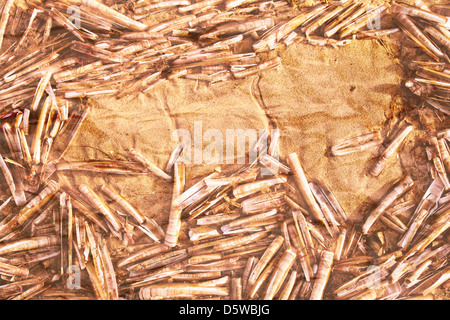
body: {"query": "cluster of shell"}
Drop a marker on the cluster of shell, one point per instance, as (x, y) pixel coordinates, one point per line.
(264, 232)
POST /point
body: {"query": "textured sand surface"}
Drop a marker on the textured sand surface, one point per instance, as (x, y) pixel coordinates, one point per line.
(318, 97)
(309, 97)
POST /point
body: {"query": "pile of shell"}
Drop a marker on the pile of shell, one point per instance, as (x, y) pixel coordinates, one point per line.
(265, 231)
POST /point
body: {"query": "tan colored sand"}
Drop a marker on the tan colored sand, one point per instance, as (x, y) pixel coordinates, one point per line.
(318, 97)
(309, 96)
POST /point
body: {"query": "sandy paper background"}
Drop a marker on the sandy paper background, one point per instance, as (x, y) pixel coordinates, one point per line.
(309, 96)
(318, 97)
